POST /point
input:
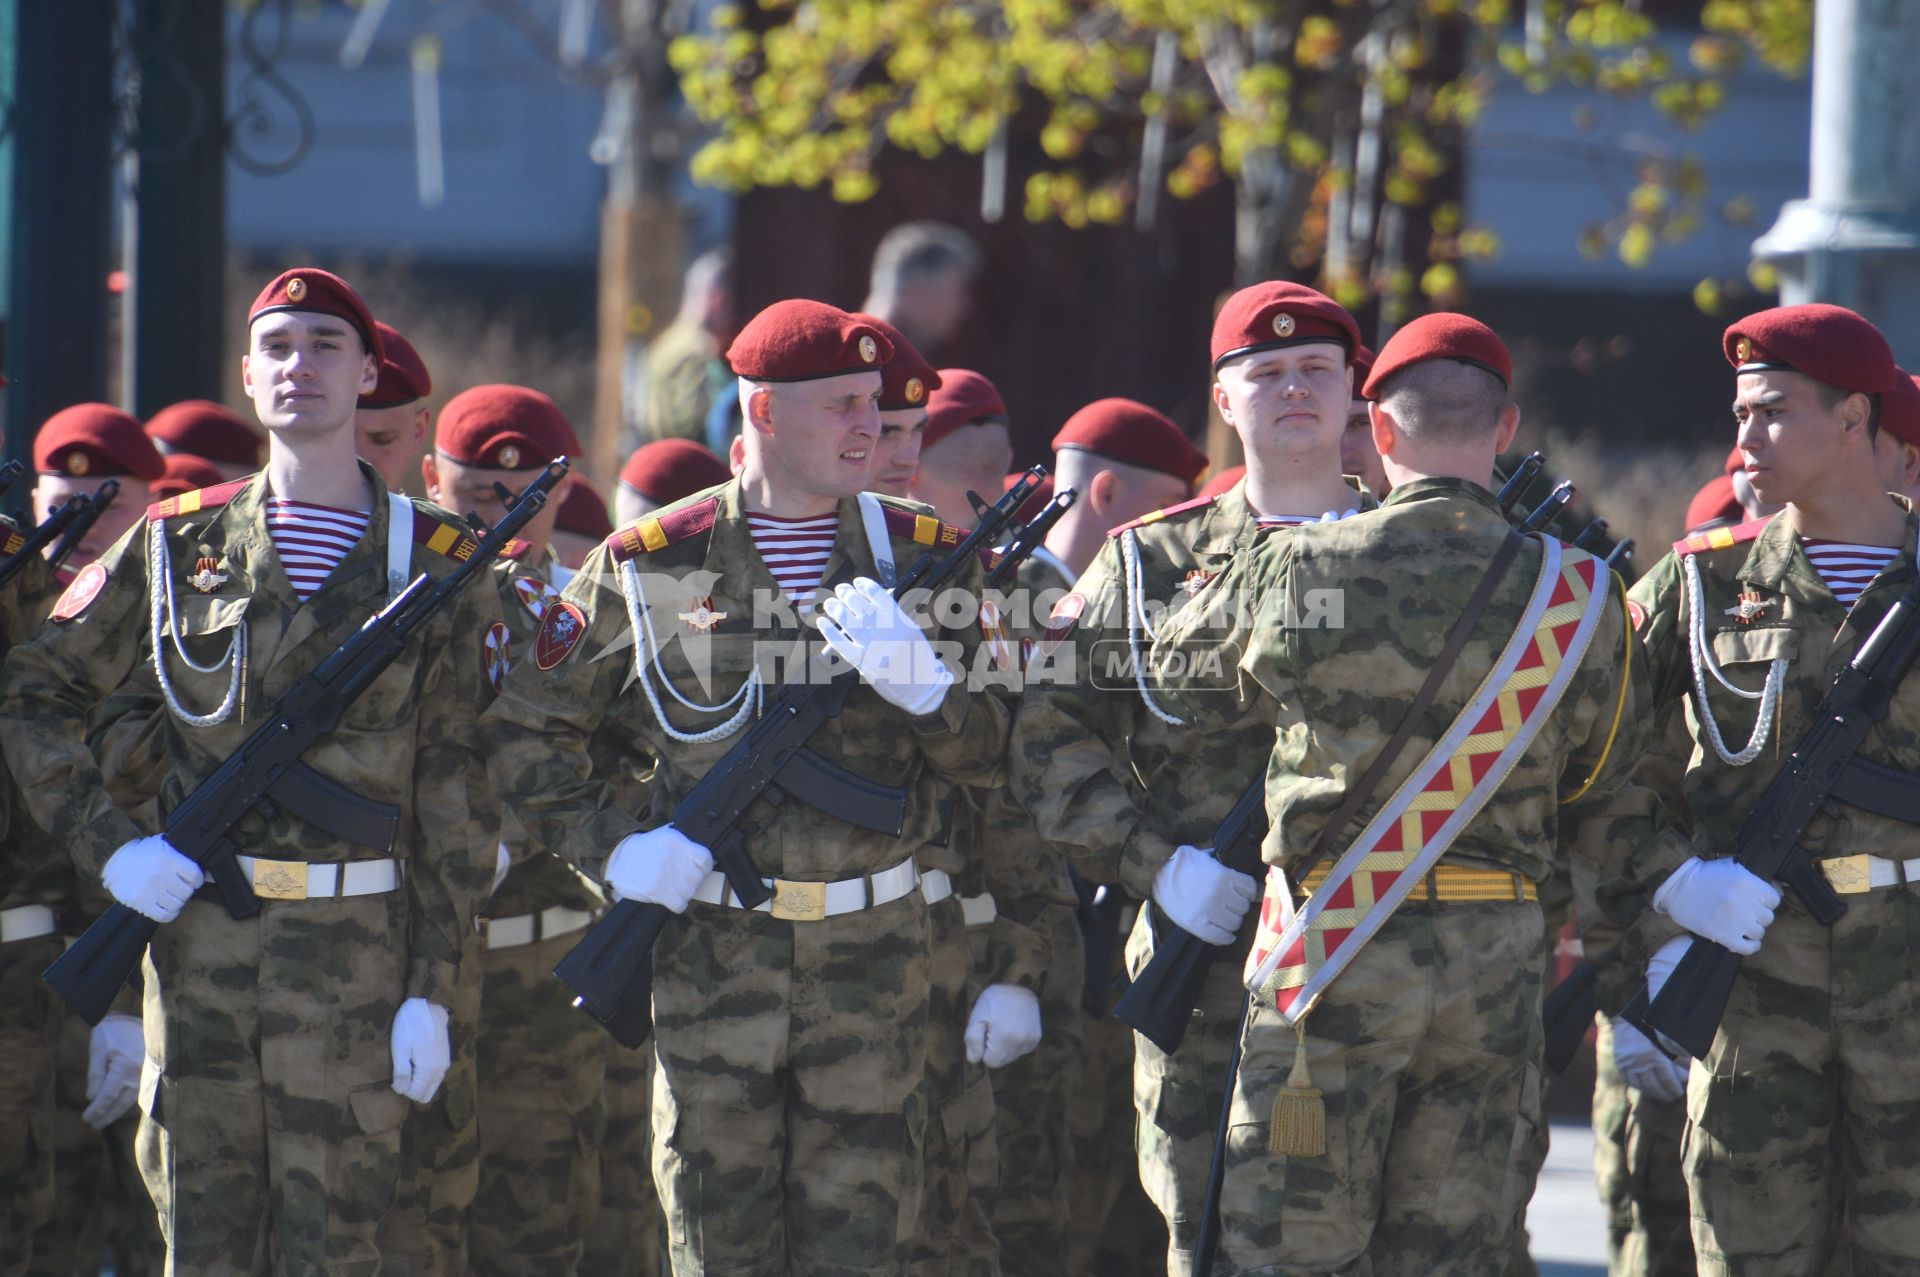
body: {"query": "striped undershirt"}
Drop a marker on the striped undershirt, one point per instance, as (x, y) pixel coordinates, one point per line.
(1284, 520)
(1846, 568)
(312, 539)
(795, 551)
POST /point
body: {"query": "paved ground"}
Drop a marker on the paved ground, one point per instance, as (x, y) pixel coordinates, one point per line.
(1568, 1229)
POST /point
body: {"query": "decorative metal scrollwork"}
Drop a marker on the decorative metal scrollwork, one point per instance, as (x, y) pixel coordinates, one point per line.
(271, 128)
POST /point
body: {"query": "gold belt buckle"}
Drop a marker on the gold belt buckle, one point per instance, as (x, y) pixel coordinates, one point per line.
(280, 879)
(799, 901)
(1849, 875)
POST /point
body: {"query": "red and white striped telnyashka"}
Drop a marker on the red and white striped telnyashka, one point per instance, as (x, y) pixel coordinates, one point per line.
(795, 551)
(1846, 568)
(312, 539)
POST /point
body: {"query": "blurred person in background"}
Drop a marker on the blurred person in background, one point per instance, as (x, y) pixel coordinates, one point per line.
(210, 431)
(681, 374)
(390, 425)
(922, 283)
(662, 472)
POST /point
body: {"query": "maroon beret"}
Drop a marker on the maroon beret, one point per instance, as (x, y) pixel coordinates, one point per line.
(185, 472)
(1362, 369)
(1830, 344)
(801, 340)
(95, 440)
(322, 292)
(1441, 335)
(906, 379)
(962, 398)
(583, 512)
(403, 374)
(1221, 482)
(1125, 431)
(1900, 408)
(1279, 313)
(1713, 503)
(668, 469)
(501, 427)
(1736, 462)
(203, 428)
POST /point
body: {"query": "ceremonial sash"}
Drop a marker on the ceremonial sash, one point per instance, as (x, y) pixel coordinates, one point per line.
(1298, 954)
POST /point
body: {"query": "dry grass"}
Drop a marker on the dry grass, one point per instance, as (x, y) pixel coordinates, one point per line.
(1641, 491)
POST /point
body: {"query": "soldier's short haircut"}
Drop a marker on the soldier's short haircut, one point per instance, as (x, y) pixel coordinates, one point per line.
(914, 249)
(1444, 400)
(1831, 395)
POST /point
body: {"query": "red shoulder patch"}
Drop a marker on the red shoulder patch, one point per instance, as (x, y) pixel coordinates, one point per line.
(496, 654)
(1721, 538)
(561, 630)
(516, 549)
(1061, 622)
(650, 534)
(921, 529)
(199, 499)
(451, 539)
(1637, 615)
(79, 596)
(1198, 503)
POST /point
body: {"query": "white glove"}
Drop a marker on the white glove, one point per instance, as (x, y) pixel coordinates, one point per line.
(863, 623)
(421, 1052)
(1720, 900)
(149, 877)
(1662, 963)
(500, 867)
(114, 1053)
(1644, 1066)
(1004, 1026)
(662, 866)
(1202, 896)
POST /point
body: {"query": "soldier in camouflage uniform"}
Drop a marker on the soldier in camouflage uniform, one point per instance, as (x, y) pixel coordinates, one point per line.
(282, 1050)
(1116, 781)
(790, 1042)
(1800, 1115)
(1420, 1062)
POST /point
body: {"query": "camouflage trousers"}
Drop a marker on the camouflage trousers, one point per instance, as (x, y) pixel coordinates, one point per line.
(1177, 1097)
(1426, 1050)
(30, 1017)
(1636, 1161)
(272, 1133)
(790, 1100)
(1031, 1100)
(1807, 1109)
(543, 1067)
(624, 1239)
(953, 1236)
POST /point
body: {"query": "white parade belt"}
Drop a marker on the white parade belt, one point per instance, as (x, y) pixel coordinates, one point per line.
(1851, 875)
(811, 901)
(299, 880)
(26, 922)
(525, 928)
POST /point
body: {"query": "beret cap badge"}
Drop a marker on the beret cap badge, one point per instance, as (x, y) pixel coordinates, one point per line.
(916, 390)
(296, 289)
(78, 463)
(869, 350)
(1283, 324)
(1743, 348)
(509, 456)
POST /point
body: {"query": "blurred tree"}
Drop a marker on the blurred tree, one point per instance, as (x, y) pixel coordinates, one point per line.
(1338, 123)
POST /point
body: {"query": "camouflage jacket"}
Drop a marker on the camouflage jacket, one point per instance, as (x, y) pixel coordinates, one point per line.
(1340, 625)
(34, 866)
(703, 592)
(408, 741)
(1102, 773)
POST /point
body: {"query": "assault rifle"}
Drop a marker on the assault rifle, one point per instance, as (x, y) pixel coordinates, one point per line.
(611, 970)
(1821, 767)
(267, 766)
(69, 523)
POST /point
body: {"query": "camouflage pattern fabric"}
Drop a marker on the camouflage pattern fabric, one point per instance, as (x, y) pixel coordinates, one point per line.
(29, 1043)
(1636, 1162)
(272, 1131)
(1427, 1047)
(1556, 907)
(1821, 1021)
(953, 1236)
(624, 1238)
(790, 1107)
(682, 374)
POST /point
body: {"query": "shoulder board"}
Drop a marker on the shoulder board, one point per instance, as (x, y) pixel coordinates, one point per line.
(1198, 503)
(1721, 538)
(201, 499)
(449, 539)
(652, 534)
(516, 549)
(990, 558)
(921, 529)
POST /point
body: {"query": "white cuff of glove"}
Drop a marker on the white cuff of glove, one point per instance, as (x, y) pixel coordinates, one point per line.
(863, 623)
(149, 877)
(1004, 1026)
(1720, 900)
(661, 866)
(502, 866)
(421, 1051)
(1662, 963)
(1644, 1066)
(1202, 896)
(114, 1054)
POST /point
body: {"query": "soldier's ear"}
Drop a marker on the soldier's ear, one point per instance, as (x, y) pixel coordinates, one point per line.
(246, 375)
(760, 408)
(1909, 465)
(1222, 404)
(1386, 431)
(1509, 426)
(430, 477)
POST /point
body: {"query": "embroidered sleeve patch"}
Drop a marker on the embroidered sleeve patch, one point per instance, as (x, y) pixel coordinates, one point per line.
(1637, 615)
(1062, 621)
(561, 630)
(496, 652)
(999, 643)
(80, 595)
(534, 595)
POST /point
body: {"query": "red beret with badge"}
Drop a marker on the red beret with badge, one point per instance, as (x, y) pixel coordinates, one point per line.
(1127, 431)
(962, 398)
(1442, 335)
(403, 374)
(321, 292)
(667, 469)
(906, 380)
(203, 428)
(802, 340)
(1715, 503)
(583, 512)
(1280, 313)
(503, 427)
(1830, 344)
(184, 472)
(95, 441)
(1900, 408)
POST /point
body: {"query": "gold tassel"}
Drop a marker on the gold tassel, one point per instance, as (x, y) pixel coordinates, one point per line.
(1299, 1127)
